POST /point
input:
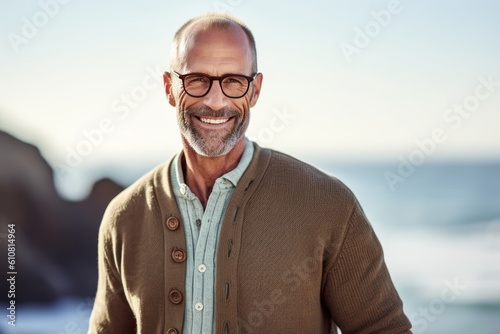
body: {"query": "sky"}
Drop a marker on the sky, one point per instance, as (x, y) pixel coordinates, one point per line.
(376, 81)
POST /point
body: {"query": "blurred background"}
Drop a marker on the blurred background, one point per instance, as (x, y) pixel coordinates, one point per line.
(399, 99)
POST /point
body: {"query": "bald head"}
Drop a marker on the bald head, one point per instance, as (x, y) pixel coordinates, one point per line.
(186, 37)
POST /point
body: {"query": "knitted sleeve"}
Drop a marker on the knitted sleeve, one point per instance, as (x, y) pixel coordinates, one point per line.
(359, 292)
(111, 312)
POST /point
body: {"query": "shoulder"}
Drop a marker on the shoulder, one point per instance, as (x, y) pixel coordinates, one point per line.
(303, 203)
(305, 178)
(297, 190)
(139, 199)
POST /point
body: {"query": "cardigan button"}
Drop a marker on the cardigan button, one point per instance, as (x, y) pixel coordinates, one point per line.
(171, 331)
(175, 296)
(178, 255)
(172, 223)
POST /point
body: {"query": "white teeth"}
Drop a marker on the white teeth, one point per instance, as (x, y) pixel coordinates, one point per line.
(214, 121)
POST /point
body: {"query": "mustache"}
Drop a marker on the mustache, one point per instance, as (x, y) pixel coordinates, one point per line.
(209, 112)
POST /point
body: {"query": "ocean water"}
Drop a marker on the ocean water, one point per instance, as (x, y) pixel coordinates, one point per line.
(440, 229)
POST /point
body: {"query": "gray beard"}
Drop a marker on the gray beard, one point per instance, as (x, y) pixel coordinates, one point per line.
(212, 143)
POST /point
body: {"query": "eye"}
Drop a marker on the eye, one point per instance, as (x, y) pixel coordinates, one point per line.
(232, 80)
(196, 79)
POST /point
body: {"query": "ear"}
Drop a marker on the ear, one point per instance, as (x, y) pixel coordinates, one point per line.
(167, 81)
(257, 84)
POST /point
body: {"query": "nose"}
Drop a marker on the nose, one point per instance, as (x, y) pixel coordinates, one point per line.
(215, 99)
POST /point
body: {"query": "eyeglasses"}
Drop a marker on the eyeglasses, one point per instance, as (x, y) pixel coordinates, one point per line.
(232, 85)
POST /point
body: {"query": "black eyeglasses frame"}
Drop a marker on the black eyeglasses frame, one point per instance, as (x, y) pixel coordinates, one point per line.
(218, 78)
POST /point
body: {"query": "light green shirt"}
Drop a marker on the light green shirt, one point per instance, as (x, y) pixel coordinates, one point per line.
(202, 233)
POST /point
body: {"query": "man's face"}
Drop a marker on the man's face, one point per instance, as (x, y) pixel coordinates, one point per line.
(214, 123)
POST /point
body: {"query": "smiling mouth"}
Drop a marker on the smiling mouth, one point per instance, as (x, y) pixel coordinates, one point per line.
(214, 120)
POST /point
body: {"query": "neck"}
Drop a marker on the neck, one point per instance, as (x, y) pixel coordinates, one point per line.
(200, 172)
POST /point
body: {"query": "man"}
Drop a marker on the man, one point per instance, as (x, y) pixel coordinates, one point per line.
(229, 237)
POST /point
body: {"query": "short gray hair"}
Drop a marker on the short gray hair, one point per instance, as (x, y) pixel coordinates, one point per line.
(211, 20)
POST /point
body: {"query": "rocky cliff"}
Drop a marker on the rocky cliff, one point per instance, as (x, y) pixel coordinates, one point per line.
(56, 240)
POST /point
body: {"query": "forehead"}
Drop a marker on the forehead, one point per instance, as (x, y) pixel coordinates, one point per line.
(215, 49)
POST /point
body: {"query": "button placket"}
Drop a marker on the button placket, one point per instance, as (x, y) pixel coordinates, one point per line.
(202, 226)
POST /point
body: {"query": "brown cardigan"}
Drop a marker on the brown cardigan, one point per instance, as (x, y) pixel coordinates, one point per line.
(296, 255)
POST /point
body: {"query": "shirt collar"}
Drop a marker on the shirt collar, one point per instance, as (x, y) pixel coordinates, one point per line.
(232, 176)
(235, 175)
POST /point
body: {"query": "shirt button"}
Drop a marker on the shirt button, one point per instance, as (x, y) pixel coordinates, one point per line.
(198, 306)
(171, 331)
(178, 255)
(198, 222)
(175, 296)
(202, 268)
(183, 189)
(172, 223)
